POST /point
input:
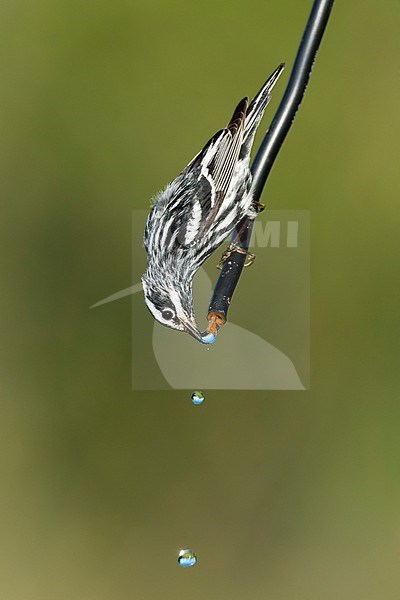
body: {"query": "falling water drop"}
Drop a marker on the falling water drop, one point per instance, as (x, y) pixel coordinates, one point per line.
(187, 558)
(197, 397)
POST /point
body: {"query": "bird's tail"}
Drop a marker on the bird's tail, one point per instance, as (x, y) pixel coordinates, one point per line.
(256, 109)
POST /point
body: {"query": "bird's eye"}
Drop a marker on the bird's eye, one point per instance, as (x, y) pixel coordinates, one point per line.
(167, 314)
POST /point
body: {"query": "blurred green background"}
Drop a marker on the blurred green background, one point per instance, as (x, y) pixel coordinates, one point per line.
(282, 495)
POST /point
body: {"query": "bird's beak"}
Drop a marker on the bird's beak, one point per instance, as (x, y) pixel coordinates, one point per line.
(192, 329)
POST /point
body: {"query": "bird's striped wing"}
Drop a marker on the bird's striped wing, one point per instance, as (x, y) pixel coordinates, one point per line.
(189, 204)
(223, 161)
(214, 167)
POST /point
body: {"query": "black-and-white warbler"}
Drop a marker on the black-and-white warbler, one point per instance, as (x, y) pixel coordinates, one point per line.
(193, 215)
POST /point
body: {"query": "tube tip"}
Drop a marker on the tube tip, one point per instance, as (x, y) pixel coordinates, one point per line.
(215, 321)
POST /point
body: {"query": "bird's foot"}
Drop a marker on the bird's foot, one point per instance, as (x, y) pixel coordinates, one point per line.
(258, 206)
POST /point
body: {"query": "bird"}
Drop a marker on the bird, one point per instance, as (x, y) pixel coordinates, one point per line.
(191, 217)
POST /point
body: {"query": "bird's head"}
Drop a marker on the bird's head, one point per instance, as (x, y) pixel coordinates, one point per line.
(171, 305)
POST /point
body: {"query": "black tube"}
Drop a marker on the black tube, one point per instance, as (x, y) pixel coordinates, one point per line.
(268, 151)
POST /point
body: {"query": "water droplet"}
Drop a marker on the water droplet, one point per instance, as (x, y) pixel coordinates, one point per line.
(197, 397)
(187, 558)
(208, 337)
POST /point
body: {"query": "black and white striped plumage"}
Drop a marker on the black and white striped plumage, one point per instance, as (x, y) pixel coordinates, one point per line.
(193, 215)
